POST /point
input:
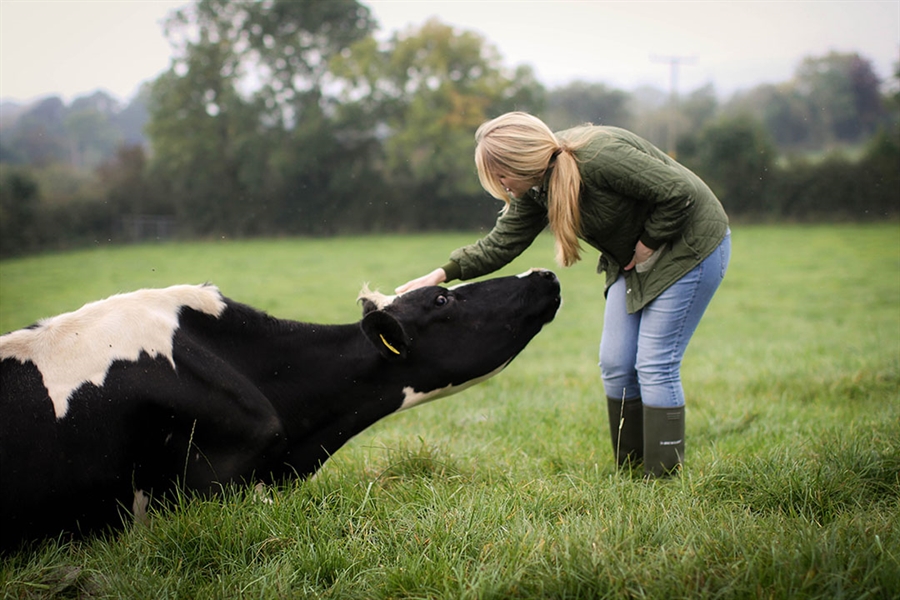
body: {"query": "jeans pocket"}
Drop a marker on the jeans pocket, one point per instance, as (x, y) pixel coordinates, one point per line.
(724, 252)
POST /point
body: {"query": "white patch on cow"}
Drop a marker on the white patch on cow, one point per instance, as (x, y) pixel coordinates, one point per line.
(79, 347)
(377, 298)
(261, 494)
(529, 272)
(413, 398)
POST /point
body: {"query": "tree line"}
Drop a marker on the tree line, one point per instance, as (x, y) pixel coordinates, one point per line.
(291, 118)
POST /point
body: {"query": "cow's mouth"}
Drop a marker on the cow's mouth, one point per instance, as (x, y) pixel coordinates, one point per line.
(555, 301)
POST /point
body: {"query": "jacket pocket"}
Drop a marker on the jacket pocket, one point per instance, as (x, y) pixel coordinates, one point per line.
(643, 267)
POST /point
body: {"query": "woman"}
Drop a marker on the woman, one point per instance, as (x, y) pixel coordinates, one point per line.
(664, 243)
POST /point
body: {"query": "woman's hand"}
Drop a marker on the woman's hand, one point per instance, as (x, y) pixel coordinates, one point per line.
(436, 277)
(641, 254)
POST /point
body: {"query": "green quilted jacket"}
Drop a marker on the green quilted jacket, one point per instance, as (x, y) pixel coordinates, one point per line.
(631, 191)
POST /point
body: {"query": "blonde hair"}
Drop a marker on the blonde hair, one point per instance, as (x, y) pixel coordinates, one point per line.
(521, 146)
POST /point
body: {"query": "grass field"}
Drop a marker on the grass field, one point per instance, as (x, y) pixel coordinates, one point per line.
(508, 490)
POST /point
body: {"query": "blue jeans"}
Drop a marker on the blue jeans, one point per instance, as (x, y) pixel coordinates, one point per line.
(640, 353)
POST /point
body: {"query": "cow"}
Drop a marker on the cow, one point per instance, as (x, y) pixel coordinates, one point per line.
(150, 392)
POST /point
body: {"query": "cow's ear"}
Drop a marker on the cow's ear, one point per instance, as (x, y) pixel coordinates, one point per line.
(386, 334)
(367, 305)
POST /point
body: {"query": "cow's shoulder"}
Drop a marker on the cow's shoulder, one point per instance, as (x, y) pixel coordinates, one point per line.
(79, 347)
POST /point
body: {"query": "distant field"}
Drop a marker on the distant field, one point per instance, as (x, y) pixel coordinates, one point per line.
(508, 490)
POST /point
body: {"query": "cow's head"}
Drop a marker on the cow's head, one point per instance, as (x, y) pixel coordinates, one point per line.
(446, 339)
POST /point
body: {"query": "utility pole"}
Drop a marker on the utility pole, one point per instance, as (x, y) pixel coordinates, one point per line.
(674, 62)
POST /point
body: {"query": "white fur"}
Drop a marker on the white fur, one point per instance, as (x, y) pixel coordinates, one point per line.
(139, 507)
(413, 398)
(377, 298)
(79, 347)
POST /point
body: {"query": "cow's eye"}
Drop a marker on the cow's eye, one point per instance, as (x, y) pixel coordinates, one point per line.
(440, 300)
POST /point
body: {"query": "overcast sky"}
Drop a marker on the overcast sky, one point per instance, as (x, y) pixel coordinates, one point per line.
(73, 47)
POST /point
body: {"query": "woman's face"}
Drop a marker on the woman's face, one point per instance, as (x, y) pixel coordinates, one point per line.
(516, 187)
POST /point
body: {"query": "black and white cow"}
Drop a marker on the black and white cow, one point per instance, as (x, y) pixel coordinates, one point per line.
(129, 395)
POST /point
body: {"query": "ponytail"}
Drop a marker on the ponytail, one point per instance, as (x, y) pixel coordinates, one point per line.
(563, 208)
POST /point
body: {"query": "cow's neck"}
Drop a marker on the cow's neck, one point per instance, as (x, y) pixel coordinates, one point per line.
(328, 384)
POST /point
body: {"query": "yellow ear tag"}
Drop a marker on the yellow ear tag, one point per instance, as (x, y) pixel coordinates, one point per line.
(389, 347)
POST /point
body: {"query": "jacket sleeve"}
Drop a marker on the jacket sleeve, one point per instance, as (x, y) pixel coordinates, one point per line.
(667, 187)
(513, 232)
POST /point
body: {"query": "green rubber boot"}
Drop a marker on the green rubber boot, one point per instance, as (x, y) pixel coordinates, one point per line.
(626, 429)
(663, 441)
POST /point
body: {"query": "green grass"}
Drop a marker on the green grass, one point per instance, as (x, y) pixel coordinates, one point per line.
(792, 480)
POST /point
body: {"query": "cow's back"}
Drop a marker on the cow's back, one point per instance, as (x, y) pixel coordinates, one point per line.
(80, 414)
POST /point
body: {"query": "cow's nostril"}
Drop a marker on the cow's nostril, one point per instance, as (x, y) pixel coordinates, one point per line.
(548, 275)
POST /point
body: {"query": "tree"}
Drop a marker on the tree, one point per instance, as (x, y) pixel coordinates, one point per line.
(236, 148)
(657, 121)
(698, 108)
(39, 136)
(832, 99)
(197, 123)
(844, 91)
(132, 119)
(19, 201)
(786, 113)
(736, 157)
(92, 132)
(315, 151)
(581, 102)
(424, 95)
(291, 44)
